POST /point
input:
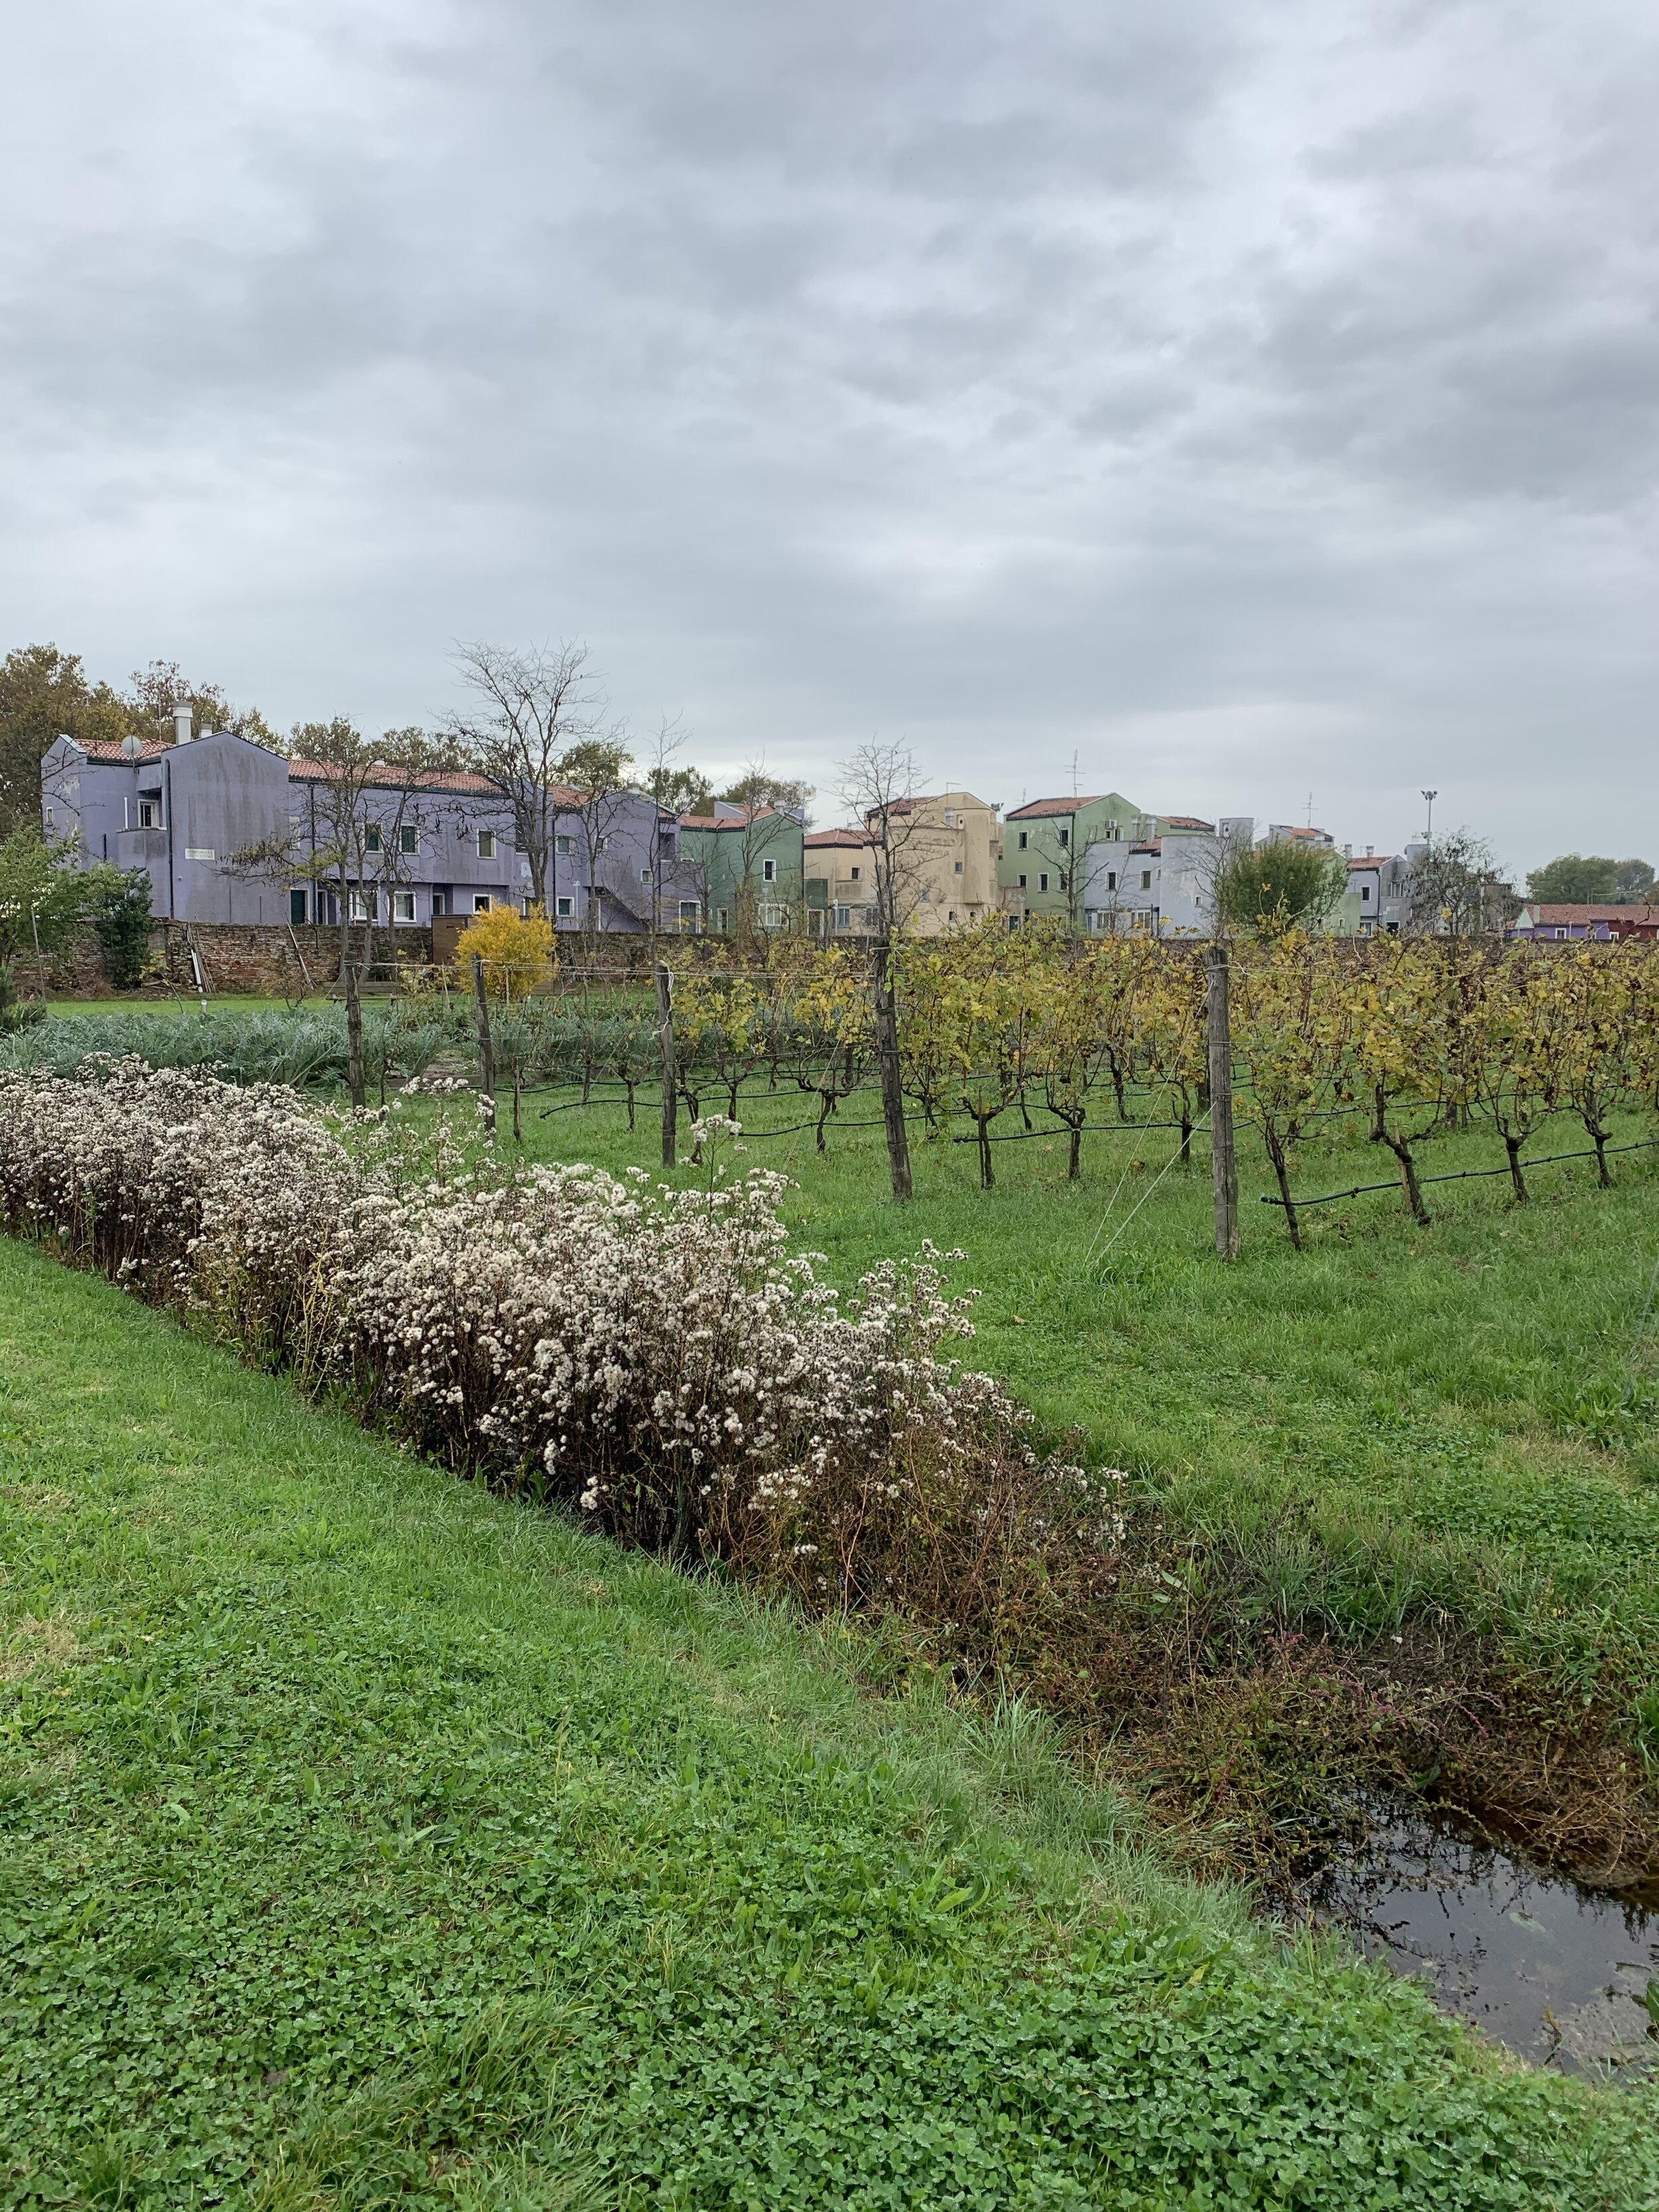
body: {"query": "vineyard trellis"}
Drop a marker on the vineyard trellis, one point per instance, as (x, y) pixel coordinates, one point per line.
(1003, 1038)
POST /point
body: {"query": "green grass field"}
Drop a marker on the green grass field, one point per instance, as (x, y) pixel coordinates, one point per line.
(1396, 1418)
(368, 1839)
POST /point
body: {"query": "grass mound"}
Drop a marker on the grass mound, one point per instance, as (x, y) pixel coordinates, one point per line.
(370, 1840)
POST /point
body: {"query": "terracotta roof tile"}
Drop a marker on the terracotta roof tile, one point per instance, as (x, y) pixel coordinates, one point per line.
(1039, 807)
(1559, 914)
(109, 749)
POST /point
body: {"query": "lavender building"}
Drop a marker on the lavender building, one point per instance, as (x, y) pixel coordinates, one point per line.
(229, 831)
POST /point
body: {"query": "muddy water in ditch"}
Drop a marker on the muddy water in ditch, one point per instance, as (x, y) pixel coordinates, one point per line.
(1568, 1976)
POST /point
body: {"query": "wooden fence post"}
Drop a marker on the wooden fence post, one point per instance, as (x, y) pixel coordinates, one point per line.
(1224, 1161)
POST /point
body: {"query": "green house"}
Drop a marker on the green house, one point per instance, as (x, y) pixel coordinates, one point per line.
(746, 865)
(1039, 875)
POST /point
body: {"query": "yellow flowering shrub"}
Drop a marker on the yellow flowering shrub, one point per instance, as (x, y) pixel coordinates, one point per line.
(517, 951)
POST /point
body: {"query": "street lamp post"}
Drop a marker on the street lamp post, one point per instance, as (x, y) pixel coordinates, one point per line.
(1428, 834)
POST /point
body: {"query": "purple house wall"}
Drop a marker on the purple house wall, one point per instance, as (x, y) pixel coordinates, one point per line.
(182, 812)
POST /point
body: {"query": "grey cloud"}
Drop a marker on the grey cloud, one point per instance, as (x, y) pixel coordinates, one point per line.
(1245, 395)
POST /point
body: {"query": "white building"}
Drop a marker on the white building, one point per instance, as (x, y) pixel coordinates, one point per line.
(1381, 884)
(1162, 886)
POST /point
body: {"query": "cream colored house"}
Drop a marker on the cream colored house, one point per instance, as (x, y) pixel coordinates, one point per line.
(947, 852)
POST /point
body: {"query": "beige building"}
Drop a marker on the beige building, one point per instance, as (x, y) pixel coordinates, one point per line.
(947, 851)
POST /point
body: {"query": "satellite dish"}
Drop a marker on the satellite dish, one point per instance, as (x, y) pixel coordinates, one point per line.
(131, 748)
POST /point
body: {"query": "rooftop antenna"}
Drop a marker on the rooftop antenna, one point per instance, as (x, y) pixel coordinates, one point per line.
(1428, 835)
(1074, 772)
(1310, 810)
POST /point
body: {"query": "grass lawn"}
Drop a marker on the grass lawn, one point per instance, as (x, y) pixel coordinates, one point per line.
(368, 1839)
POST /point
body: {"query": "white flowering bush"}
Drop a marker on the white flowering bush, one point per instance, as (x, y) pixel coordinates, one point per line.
(653, 1356)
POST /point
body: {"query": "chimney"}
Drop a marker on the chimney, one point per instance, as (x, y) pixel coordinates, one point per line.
(182, 725)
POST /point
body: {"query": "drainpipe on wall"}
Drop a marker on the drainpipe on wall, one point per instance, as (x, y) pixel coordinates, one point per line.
(166, 808)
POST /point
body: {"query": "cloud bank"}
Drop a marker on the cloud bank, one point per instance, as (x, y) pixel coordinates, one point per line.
(1244, 401)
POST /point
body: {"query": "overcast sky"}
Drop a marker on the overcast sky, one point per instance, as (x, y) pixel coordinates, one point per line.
(1250, 400)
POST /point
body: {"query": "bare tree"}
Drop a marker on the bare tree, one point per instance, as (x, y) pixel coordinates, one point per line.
(596, 769)
(1455, 890)
(879, 784)
(532, 708)
(363, 807)
(677, 788)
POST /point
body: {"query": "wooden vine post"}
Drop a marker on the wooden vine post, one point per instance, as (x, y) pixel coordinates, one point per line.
(354, 1037)
(1223, 1157)
(671, 1075)
(486, 1047)
(887, 1055)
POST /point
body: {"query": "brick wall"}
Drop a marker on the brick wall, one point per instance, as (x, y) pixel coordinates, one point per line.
(238, 958)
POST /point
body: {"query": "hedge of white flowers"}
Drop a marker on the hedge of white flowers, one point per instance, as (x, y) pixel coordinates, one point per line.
(653, 1356)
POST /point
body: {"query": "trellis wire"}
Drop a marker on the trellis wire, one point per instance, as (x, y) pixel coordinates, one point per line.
(1455, 1175)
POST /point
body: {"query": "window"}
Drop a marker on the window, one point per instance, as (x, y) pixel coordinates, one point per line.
(722, 920)
(771, 917)
(601, 844)
(1111, 879)
(951, 916)
(1065, 882)
(440, 904)
(1043, 881)
(49, 818)
(402, 905)
(486, 852)
(1022, 840)
(481, 899)
(565, 909)
(1560, 932)
(768, 872)
(372, 838)
(854, 873)
(1111, 832)
(1065, 838)
(365, 906)
(690, 910)
(409, 838)
(1145, 879)
(149, 814)
(296, 906)
(843, 917)
(1021, 883)
(564, 845)
(957, 866)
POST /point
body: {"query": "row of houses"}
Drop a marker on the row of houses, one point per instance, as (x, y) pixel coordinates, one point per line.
(229, 831)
